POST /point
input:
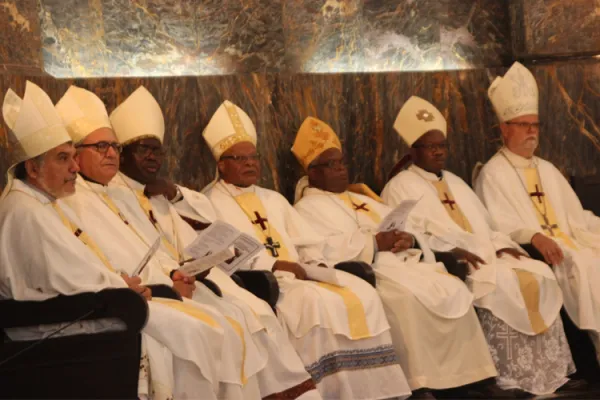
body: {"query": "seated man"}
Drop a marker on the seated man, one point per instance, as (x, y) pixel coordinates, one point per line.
(530, 200)
(516, 297)
(340, 333)
(139, 125)
(46, 254)
(427, 308)
(88, 124)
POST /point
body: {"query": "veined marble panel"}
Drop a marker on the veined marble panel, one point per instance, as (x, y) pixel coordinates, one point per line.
(20, 32)
(546, 28)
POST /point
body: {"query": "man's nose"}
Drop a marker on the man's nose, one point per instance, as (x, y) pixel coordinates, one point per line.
(74, 167)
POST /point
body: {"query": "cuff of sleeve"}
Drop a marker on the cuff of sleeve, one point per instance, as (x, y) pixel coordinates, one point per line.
(172, 273)
(523, 236)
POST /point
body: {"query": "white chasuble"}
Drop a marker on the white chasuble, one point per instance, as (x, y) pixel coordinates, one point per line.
(522, 295)
(43, 258)
(340, 333)
(238, 360)
(424, 304)
(526, 197)
(283, 373)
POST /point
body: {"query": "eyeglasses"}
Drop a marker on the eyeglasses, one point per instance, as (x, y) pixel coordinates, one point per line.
(143, 150)
(526, 125)
(102, 147)
(432, 147)
(242, 159)
(329, 164)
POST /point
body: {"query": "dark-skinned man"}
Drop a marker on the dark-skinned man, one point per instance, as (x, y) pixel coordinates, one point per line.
(340, 333)
(515, 296)
(143, 198)
(46, 252)
(530, 200)
(435, 329)
(86, 120)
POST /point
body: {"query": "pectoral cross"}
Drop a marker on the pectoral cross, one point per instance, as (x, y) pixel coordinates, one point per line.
(548, 227)
(537, 194)
(362, 206)
(260, 221)
(449, 201)
(272, 246)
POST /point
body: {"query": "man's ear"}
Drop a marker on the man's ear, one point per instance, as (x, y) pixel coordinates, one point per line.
(32, 168)
(503, 131)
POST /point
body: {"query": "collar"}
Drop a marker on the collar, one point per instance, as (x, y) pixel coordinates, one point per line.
(89, 180)
(236, 190)
(133, 184)
(425, 174)
(518, 161)
(41, 196)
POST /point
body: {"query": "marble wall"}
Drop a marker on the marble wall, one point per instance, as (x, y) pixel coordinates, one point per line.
(98, 38)
(555, 28)
(351, 63)
(362, 109)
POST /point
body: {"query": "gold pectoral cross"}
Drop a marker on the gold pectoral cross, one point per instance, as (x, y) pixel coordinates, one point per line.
(547, 226)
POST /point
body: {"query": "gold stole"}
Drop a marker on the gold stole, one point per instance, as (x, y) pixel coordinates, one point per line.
(252, 206)
(255, 211)
(147, 207)
(357, 206)
(82, 236)
(451, 205)
(541, 203)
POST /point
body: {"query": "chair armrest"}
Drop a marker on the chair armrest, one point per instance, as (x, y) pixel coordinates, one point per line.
(533, 252)
(212, 286)
(124, 304)
(165, 292)
(238, 281)
(262, 284)
(454, 266)
(360, 269)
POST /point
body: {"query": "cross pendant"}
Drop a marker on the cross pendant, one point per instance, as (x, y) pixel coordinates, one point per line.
(272, 246)
(547, 226)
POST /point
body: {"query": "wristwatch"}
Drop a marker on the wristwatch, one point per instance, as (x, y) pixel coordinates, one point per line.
(178, 195)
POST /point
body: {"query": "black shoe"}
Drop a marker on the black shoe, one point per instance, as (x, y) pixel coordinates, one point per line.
(495, 392)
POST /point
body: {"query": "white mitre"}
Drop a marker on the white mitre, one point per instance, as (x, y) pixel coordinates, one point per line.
(138, 117)
(35, 124)
(82, 113)
(228, 126)
(515, 94)
(416, 118)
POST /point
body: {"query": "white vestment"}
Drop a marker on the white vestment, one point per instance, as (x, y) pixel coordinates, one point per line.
(435, 330)
(284, 371)
(42, 258)
(502, 186)
(523, 294)
(239, 359)
(317, 316)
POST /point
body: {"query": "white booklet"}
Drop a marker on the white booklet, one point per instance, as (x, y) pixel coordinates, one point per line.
(220, 245)
(398, 217)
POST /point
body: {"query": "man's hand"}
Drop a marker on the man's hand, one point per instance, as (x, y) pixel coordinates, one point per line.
(135, 285)
(160, 187)
(292, 267)
(471, 258)
(394, 241)
(551, 251)
(511, 252)
(183, 283)
(182, 276)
